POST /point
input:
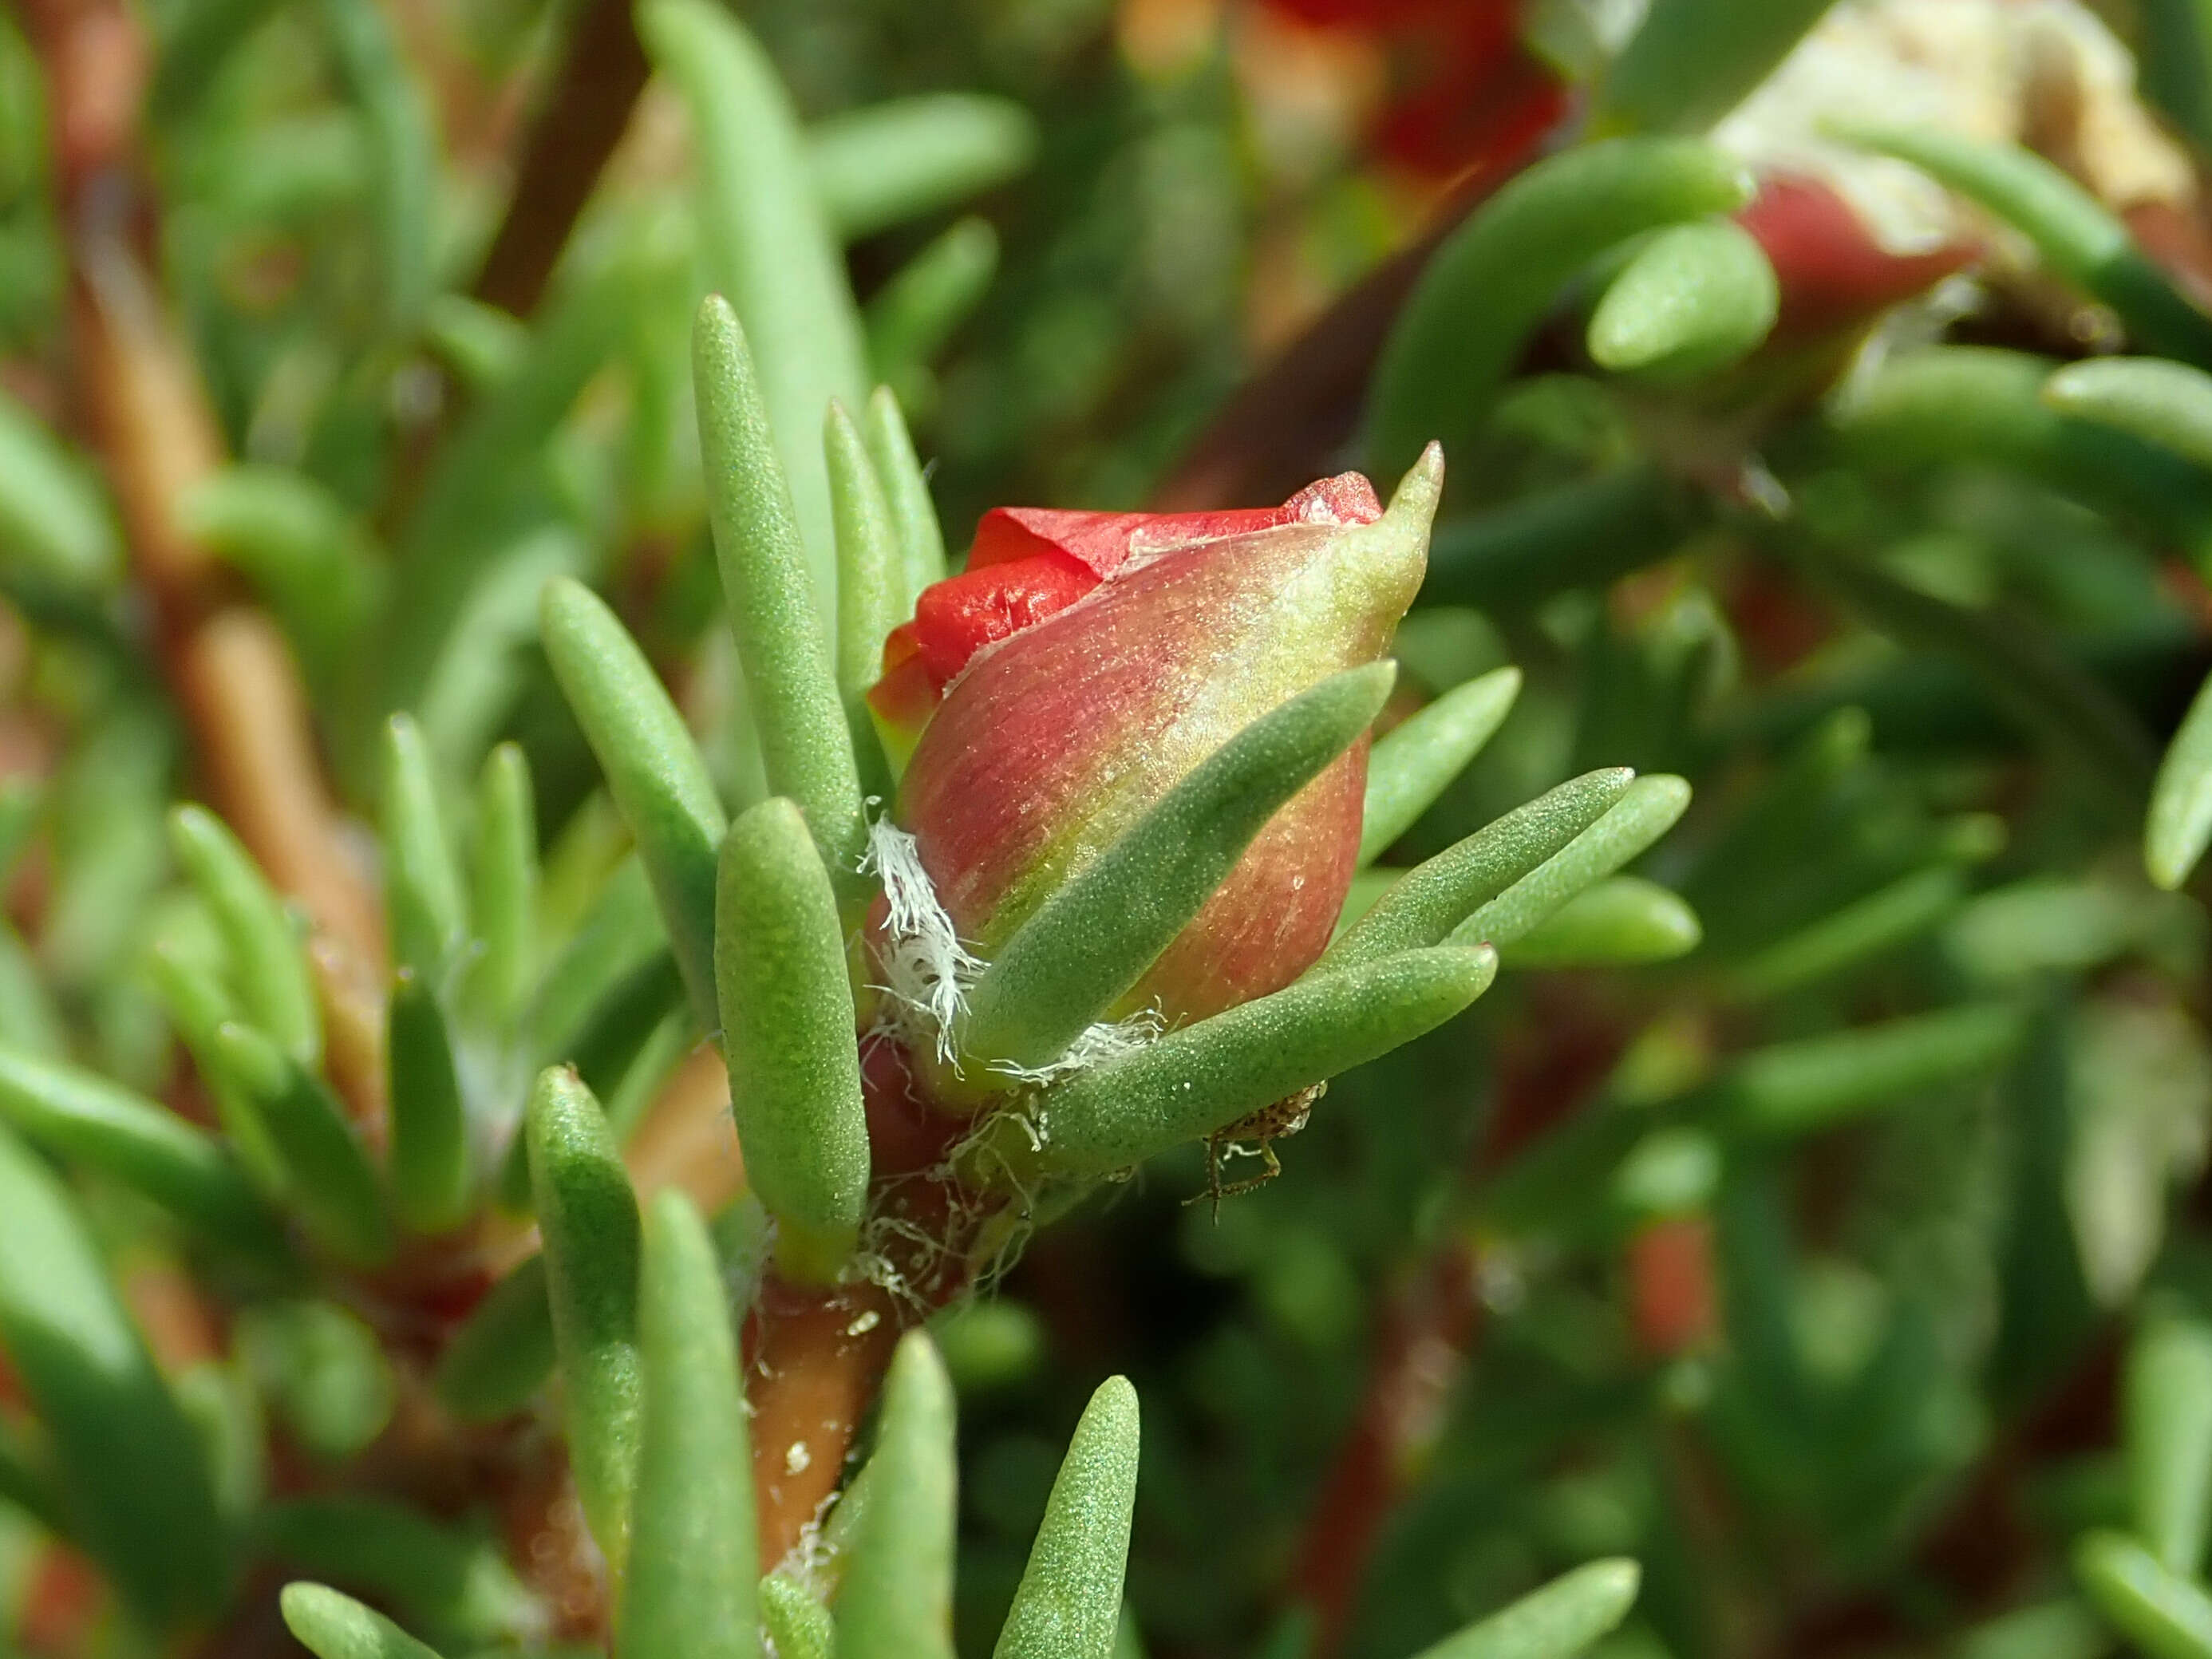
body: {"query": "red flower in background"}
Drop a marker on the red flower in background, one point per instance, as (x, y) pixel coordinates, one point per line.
(1472, 96)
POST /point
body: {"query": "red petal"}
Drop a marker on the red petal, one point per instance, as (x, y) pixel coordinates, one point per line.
(958, 616)
(905, 694)
(1100, 542)
(1832, 271)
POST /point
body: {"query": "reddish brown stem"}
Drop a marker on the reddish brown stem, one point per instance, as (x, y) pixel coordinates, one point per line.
(239, 686)
(585, 112)
(1421, 1348)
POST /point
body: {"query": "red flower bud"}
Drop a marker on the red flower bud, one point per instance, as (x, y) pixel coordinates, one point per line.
(1088, 661)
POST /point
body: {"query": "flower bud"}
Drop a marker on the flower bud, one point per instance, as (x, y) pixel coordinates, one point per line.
(1087, 662)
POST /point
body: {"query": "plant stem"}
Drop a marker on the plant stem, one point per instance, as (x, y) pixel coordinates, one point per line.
(580, 122)
(238, 685)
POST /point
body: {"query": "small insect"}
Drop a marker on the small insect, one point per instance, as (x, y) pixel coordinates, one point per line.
(1255, 1137)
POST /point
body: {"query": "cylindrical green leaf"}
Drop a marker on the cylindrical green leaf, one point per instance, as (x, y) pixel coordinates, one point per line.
(503, 886)
(2164, 1614)
(330, 1626)
(897, 1599)
(907, 488)
(1429, 901)
(1578, 535)
(504, 1351)
(587, 1218)
(269, 968)
(1417, 760)
(1694, 300)
(55, 524)
(293, 540)
(799, 1625)
(790, 684)
(871, 587)
(1794, 1088)
(914, 314)
(328, 1178)
(904, 158)
(2178, 827)
(2162, 403)
(1069, 1604)
(1095, 935)
(403, 148)
(144, 1145)
(1495, 277)
(322, 1369)
(2166, 1420)
(1205, 1077)
(132, 1472)
(1982, 405)
(1646, 811)
(423, 892)
(653, 770)
(693, 1558)
(787, 1031)
(1622, 919)
(431, 1183)
(1691, 62)
(1865, 928)
(1556, 1622)
(765, 244)
(451, 1582)
(2084, 241)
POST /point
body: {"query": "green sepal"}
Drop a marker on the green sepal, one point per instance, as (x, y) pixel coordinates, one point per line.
(654, 770)
(1646, 811)
(2165, 1423)
(896, 1602)
(423, 896)
(1093, 938)
(1556, 1622)
(1069, 1604)
(1423, 907)
(791, 687)
(2166, 1615)
(1206, 1076)
(503, 881)
(504, 1351)
(788, 1030)
(104, 1126)
(693, 1558)
(904, 158)
(268, 967)
(2077, 235)
(131, 1471)
(907, 488)
(332, 1625)
(1493, 279)
(1624, 918)
(433, 1185)
(1415, 762)
(1694, 300)
(587, 1218)
(328, 1180)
